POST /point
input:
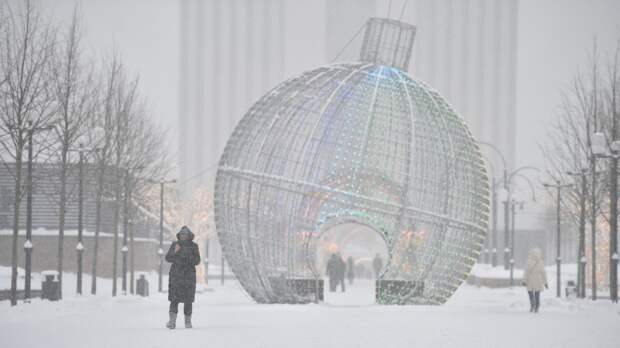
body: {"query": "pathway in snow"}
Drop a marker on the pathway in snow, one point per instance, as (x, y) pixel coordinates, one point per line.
(225, 317)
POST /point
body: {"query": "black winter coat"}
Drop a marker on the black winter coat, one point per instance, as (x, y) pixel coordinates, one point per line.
(182, 277)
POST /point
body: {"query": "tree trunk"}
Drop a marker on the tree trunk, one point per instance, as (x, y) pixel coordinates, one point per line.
(61, 219)
(117, 198)
(99, 197)
(16, 203)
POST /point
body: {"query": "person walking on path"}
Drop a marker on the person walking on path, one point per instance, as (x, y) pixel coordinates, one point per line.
(332, 272)
(184, 256)
(377, 265)
(350, 270)
(535, 278)
(342, 270)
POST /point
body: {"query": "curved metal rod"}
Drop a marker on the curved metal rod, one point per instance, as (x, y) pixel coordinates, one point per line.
(529, 182)
(514, 172)
(494, 148)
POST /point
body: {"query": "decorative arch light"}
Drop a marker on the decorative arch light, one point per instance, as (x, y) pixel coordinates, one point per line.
(359, 141)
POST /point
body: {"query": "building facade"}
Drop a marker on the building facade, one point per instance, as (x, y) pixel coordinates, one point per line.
(144, 225)
(232, 52)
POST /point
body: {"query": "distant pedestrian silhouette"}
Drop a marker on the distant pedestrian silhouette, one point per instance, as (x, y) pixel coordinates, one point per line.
(377, 265)
(350, 270)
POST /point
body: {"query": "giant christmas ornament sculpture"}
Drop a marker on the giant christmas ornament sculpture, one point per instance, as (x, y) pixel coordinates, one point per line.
(354, 142)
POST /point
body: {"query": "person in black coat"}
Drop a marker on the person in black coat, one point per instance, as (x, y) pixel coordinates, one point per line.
(342, 270)
(332, 272)
(377, 265)
(184, 256)
(350, 270)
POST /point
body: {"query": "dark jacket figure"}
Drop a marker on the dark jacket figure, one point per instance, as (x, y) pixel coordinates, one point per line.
(342, 269)
(332, 272)
(184, 256)
(377, 265)
(335, 271)
(350, 269)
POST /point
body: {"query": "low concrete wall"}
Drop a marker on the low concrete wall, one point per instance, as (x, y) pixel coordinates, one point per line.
(45, 254)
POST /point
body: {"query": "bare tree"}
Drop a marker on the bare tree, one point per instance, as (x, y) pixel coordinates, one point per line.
(144, 159)
(104, 122)
(74, 92)
(26, 102)
(568, 146)
(590, 105)
(124, 103)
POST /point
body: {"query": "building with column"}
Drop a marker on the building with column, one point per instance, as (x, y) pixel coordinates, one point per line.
(467, 50)
(231, 53)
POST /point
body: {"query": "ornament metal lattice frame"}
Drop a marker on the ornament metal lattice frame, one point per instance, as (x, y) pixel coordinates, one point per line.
(351, 142)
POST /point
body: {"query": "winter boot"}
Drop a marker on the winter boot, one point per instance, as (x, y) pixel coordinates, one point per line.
(188, 321)
(172, 323)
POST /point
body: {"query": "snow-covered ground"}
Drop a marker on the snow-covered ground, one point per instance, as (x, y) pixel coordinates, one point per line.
(226, 317)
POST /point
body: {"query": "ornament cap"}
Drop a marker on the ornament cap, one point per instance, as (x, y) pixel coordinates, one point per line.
(388, 42)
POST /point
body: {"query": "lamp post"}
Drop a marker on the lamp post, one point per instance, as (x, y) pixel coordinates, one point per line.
(28, 246)
(581, 252)
(79, 248)
(494, 207)
(582, 265)
(614, 284)
(160, 251)
(602, 149)
(514, 204)
(125, 248)
(558, 259)
(132, 265)
(128, 188)
(506, 200)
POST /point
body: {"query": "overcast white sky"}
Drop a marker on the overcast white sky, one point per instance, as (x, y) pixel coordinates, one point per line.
(554, 40)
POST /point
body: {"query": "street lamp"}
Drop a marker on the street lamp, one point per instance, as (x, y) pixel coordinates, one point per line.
(132, 265)
(160, 251)
(98, 135)
(514, 204)
(581, 271)
(81, 150)
(558, 259)
(494, 201)
(508, 183)
(28, 250)
(124, 250)
(601, 148)
(582, 287)
(505, 197)
(79, 248)
(31, 129)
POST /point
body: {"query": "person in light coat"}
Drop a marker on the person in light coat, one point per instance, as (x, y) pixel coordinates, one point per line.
(535, 278)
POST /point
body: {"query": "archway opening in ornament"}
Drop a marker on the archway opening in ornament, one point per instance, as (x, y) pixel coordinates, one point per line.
(364, 256)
